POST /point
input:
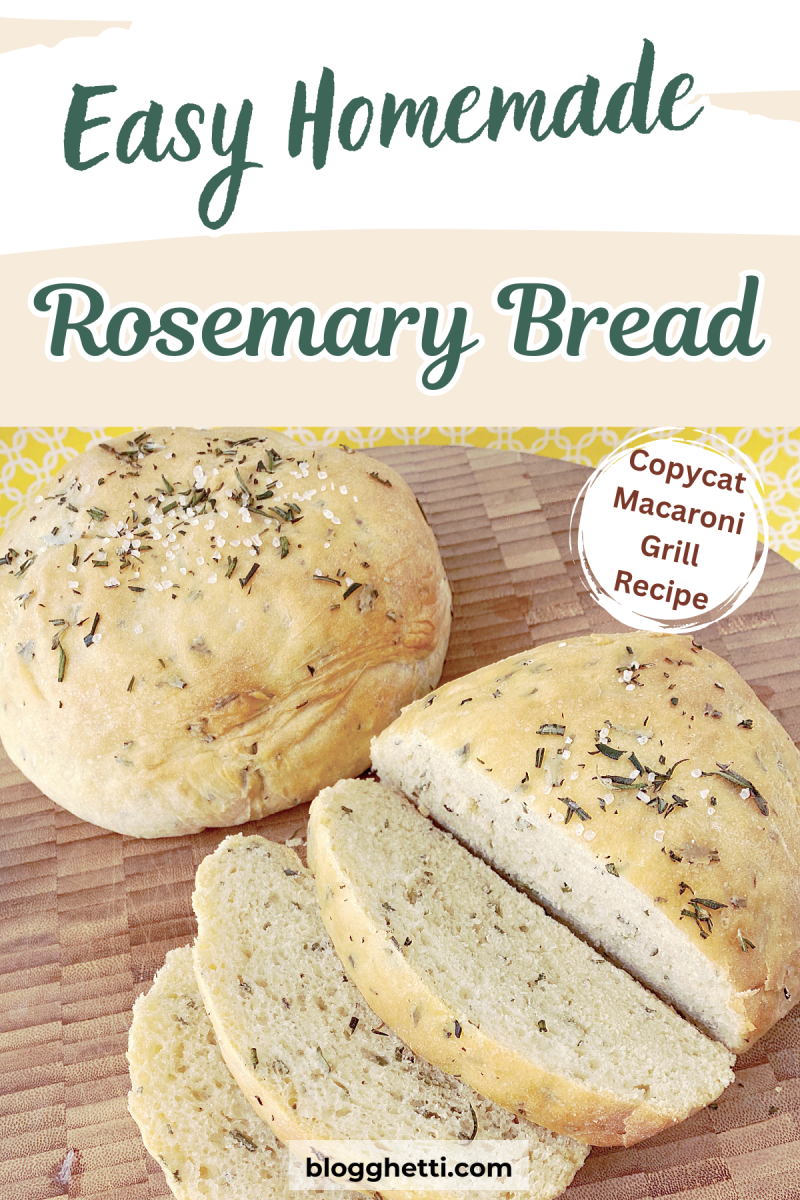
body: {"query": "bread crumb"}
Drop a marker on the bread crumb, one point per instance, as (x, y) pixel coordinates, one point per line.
(64, 1173)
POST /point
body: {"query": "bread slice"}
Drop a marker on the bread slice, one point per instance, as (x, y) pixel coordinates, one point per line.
(637, 787)
(479, 980)
(192, 1117)
(311, 1057)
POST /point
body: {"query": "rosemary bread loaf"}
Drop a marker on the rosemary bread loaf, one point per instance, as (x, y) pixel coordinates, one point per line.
(478, 979)
(309, 1054)
(192, 1117)
(198, 628)
(636, 786)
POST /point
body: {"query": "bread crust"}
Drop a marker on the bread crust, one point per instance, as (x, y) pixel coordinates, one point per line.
(692, 713)
(399, 995)
(213, 691)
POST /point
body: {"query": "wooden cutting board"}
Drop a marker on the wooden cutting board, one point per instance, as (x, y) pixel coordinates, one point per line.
(87, 916)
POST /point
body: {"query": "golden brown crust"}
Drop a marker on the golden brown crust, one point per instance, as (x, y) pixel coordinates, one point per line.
(210, 695)
(692, 713)
(398, 994)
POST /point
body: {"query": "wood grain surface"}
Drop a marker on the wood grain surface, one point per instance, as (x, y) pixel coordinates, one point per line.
(87, 916)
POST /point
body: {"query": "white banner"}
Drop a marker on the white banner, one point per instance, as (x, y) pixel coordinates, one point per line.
(571, 117)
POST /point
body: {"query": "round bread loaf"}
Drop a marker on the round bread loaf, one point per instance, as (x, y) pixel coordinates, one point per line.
(202, 627)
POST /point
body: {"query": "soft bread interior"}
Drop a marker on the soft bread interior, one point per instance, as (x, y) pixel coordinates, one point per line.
(524, 846)
(192, 1117)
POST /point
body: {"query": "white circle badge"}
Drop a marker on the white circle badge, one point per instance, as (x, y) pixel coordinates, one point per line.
(671, 532)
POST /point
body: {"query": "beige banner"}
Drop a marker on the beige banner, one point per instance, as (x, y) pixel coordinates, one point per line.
(403, 266)
(778, 106)
(16, 33)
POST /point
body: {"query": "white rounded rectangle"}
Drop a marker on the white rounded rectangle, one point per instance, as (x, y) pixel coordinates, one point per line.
(487, 1165)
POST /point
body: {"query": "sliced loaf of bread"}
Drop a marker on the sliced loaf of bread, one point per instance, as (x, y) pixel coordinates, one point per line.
(308, 1053)
(637, 787)
(192, 1116)
(478, 979)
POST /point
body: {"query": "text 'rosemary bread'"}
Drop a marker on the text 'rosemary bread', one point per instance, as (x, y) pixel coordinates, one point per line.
(637, 786)
(479, 980)
(198, 628)
(192, 1116)
(309, 1054)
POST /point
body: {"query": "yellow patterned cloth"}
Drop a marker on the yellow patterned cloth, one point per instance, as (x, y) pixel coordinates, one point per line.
(29, 456)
